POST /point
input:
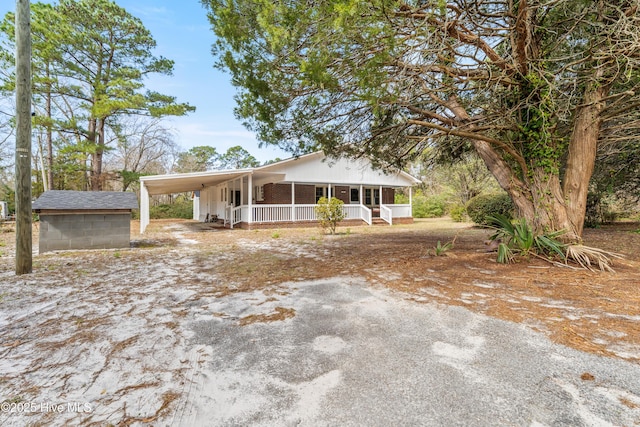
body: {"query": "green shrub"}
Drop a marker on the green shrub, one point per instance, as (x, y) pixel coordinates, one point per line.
(481, 207)
(593, 215)
(520, 238)
(441, 249)
(600, 210)
(428, 206)
(401, 198)
(181, 209)
(330, 213)
(457, 213)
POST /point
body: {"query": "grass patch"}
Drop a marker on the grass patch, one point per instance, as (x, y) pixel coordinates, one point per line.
(280, 314)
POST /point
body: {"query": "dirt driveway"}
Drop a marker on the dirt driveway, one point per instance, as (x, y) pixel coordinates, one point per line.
(146, 336)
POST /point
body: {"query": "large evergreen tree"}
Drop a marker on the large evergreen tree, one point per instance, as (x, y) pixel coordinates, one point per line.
(533, 85)
(92, 55)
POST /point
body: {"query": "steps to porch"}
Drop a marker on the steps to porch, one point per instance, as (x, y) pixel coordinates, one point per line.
(378, 221)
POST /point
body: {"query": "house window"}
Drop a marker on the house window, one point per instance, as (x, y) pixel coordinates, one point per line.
(367, 196)
(355, 195)
(320, 192)
(258, 191)
(376, 197)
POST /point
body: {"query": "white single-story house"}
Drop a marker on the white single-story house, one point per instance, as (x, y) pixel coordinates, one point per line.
(285, 192)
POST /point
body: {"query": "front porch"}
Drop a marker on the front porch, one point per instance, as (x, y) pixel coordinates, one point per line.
(246, 216)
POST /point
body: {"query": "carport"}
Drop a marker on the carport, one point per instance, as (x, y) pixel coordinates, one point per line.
(179, 183)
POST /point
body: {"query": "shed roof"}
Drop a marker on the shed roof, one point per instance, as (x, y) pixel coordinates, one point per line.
(85, 200)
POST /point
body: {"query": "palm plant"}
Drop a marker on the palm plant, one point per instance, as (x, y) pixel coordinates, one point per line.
(519, 237)
(440, 248)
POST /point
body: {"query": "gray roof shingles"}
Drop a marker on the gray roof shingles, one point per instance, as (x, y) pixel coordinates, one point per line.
(85, 200)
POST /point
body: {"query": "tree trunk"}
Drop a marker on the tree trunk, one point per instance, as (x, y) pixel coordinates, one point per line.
(582, 153)
(551, 213)
(95, 137)
(49, 133)
(540, 200)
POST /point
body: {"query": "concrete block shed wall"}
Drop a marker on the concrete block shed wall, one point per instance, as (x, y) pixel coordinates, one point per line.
(84, 231)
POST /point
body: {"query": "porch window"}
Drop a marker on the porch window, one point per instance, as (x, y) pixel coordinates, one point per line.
(355, 195)
(371, 196)
(320, 192)
(258, 191)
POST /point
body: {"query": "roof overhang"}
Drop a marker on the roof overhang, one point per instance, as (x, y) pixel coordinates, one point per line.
(278, 172)
(179, 183)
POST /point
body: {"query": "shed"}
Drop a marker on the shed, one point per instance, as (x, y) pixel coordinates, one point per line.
(84, 219)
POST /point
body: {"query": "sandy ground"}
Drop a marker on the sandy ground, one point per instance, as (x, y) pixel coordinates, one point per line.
(121, 337)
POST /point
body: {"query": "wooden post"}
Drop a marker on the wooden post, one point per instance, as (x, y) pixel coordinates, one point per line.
(23, 138)
(293, 201)
(250, 197)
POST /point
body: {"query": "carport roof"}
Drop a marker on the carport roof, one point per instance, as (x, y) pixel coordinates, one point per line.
(85, 200)
(178, 183)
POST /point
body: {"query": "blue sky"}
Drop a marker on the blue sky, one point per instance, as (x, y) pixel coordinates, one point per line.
(183, 34)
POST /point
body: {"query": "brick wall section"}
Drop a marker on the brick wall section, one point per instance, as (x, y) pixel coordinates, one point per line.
(305, 194)
(277, 194)
(84, 231)
(342, 193)
(388, 196)
(280, 194)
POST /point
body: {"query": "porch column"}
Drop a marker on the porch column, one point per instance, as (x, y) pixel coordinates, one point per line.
(380, 196)
(196, 205)
(250, 197)
(361, 194)
(241, 189)
(329, 192)
(293, 201)
(144, 207)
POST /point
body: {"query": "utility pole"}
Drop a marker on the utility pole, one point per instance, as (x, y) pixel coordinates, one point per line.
(23, 138)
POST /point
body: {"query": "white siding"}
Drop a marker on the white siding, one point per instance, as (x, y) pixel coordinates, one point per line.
(312, 169)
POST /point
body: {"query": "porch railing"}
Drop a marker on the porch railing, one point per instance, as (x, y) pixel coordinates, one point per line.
(366, 214)
(400, 211)
(299, 213)
(271, 213)
(386, 214)
(287, 213)
(236, 215)
(305, 213)
(352, 211)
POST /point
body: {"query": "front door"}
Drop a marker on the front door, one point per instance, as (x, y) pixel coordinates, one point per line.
(372, 197)
(237, 200)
